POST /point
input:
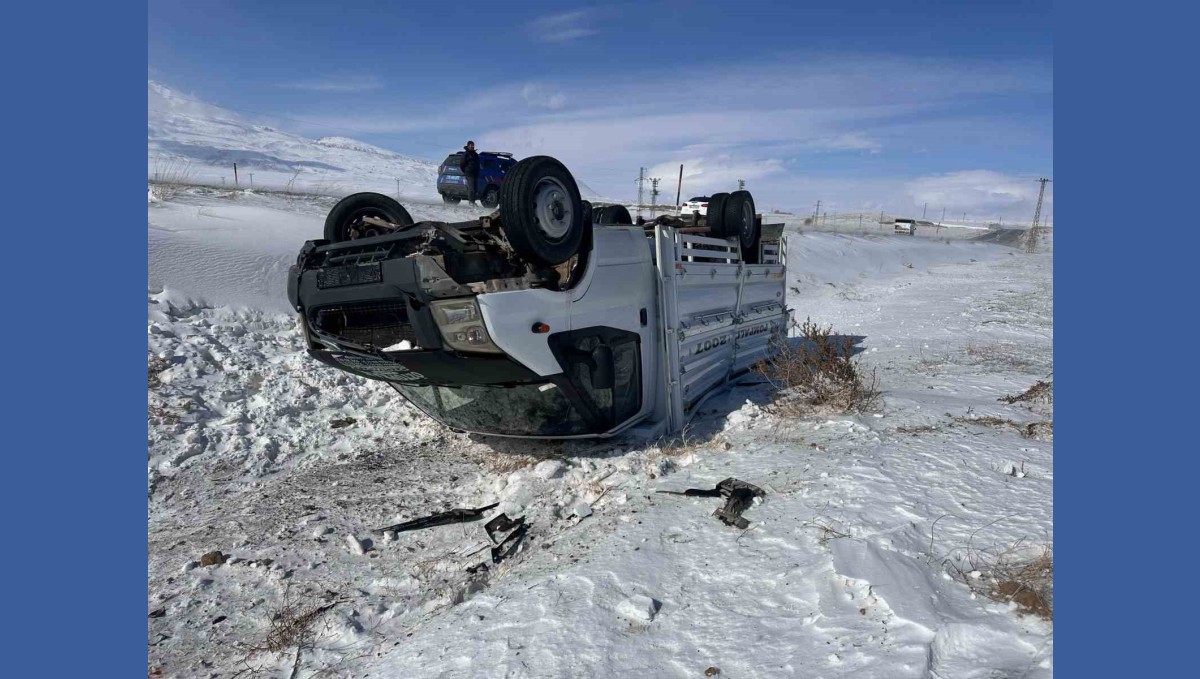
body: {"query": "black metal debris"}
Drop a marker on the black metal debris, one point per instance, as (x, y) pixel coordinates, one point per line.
(453, 516)
(739, 496)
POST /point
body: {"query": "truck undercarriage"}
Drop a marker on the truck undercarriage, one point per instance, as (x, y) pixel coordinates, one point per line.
(488, 330)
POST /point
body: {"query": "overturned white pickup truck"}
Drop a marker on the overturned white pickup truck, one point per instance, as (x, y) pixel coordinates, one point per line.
(537, 322)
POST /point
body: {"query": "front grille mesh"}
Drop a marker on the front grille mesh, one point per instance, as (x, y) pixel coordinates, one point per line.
(378, 324)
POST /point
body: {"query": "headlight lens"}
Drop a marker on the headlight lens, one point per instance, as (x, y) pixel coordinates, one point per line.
(462, 327)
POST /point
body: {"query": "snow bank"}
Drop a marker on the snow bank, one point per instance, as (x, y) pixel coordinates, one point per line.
(236, 387)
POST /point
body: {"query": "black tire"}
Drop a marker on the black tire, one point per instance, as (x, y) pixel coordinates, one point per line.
(451, 200)
(740, 222)
(491, 197)
(541, 211)
(588, 211)
(345, 219)
(615, 214)
(715, 217)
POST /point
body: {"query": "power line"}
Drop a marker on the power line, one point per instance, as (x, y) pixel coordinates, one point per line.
(1031, 238)
(641, 182)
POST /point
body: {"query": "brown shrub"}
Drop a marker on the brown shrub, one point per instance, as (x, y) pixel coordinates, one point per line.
(1042, 392)
(818, 373)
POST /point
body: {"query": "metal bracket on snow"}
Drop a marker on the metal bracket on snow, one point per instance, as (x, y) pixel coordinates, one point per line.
(739, 496)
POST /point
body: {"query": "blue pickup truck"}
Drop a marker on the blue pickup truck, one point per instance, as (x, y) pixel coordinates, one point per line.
(493, 167)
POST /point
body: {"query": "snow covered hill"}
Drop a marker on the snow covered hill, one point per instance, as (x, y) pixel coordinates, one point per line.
(190, 139)
(183, 131)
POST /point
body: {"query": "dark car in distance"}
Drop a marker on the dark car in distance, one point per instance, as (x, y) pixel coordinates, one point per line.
(493, 167)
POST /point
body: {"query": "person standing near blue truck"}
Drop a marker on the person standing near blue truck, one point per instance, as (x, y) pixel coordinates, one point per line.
(470, 169)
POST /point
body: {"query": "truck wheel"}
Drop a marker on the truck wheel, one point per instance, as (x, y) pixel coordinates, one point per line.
(491, 197)
(345, 220)
(739, 221)
(541, 211)
(588, 211)
(450, 200)
(615, 214)
(715, 217)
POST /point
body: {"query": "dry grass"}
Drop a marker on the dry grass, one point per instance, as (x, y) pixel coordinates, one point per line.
(154, 367)
(294, 625)
(818, 374)
(1040, 431)
(918, 429)
(164, 415)
(1042, 392)
(998, 355)
(170, 177)
(828, 532)
(1013, 576)
(505, 463)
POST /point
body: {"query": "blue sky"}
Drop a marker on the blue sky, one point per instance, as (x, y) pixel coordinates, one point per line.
(879, 105)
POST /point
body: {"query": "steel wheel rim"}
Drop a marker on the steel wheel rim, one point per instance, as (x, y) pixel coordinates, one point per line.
(552, 208)
(356, 228)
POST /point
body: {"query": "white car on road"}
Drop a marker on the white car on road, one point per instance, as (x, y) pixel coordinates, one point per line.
(696, 204)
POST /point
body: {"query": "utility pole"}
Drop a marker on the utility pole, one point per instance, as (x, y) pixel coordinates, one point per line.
(1031, 238)
(641, 180)
(679, 186)
(923, 210)
(235, 177)
(251, 180)
(741, 185)
(816, 213)
(943, 218)
(654, 193)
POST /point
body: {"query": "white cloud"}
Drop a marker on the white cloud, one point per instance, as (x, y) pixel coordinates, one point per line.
(850, 141)
(982, 193)
(765, 122)
(708, 175)
(543, 96)
(335, 84)
(562, 27)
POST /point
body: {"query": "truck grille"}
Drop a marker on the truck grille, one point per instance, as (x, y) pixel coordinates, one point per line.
(380, 324)
(362, 254)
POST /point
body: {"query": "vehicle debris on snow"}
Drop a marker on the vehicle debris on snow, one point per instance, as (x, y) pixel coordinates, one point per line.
(739, 496)
(458, 515)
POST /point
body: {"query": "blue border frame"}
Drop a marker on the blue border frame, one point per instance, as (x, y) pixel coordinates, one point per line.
(1124, 282)
(74, 469)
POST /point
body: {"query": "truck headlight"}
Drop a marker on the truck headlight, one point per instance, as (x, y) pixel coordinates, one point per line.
(461, 325)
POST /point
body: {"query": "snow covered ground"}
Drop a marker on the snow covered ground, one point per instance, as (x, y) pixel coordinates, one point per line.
(850, 567)
(869, 555)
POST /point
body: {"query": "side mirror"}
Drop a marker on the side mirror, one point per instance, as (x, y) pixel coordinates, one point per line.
(602, 368)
